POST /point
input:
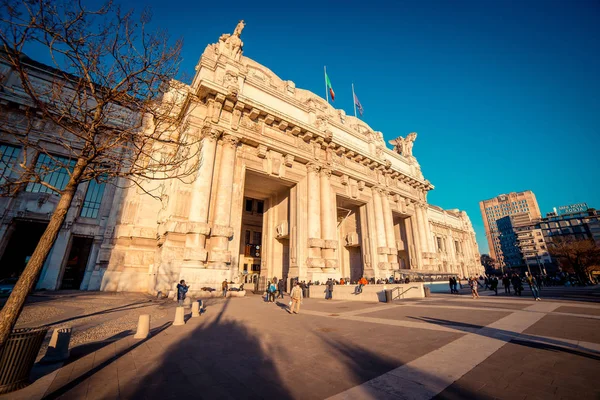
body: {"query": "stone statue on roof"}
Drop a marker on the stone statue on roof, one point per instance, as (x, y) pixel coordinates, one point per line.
(403, 146)
(232, 45)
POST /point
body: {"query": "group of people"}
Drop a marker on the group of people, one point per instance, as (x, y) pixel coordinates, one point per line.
(507, 280)
(275, 289)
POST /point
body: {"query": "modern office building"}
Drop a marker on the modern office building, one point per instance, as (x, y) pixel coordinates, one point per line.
(502, 206)
(572, 222)
(522, 244)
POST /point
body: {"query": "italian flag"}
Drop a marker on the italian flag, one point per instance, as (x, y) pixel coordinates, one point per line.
(328, 82)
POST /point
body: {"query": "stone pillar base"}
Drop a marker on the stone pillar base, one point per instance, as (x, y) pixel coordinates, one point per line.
(195, 254)
(219, 256)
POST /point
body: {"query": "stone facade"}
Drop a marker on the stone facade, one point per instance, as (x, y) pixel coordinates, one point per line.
(335, 201)
(287, 186)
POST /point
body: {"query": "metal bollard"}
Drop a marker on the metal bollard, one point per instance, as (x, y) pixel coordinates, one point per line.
(143, 328)
(58, 348)
(179, 316)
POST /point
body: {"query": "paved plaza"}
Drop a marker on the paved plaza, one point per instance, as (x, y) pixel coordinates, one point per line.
(444, 347)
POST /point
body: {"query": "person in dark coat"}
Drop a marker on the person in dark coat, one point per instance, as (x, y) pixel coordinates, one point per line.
(182, 289)
(329, 289)
(280, 288)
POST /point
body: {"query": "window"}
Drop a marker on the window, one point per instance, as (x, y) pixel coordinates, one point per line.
(457, 246)
(260, 206)
(93, 199)
(8, 156)
(248, 206)
(439, 244)
(52, 171)
(257, 238)
(247, 237)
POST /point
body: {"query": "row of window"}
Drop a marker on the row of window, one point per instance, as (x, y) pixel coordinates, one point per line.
(55, 172)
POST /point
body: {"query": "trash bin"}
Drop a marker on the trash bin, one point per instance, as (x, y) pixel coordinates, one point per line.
(18, 356)
(427, 291)
(388, 295)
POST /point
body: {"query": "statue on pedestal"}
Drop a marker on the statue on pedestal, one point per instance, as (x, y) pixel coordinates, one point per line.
(403, 146)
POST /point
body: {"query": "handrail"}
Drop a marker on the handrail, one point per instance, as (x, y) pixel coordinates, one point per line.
(400, 294)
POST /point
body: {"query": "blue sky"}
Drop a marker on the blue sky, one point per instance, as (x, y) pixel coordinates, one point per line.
(504, 95)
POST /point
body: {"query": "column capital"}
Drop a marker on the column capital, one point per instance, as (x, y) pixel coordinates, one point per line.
(230, 140)
(313, 167)
(210, 132)
(326, 172)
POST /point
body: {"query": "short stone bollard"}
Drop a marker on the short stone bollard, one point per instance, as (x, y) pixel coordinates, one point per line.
(179, 316)
(143, 328)
(195, 309)
(58, 348)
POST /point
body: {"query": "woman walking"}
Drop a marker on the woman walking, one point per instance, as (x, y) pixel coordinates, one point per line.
(473, 284)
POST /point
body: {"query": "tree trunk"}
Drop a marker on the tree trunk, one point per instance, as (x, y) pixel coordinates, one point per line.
(14, 305)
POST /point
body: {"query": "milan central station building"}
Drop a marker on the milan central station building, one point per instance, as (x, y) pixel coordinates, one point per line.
(287, 187)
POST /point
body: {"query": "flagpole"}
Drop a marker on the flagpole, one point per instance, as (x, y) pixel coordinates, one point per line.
(326, 95)
(354, 100)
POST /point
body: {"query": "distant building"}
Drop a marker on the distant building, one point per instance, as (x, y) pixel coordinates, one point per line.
(522, 244)
(574, 222)
(502, 206)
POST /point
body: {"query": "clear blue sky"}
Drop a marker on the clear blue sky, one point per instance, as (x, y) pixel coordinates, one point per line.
(504, 95)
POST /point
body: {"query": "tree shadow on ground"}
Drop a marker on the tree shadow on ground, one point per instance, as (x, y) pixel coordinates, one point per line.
(521, 339)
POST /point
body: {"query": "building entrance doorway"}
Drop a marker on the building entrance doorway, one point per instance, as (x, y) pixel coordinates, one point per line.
(23, 239)
(351, 238)
(264, 247)
(76, 263)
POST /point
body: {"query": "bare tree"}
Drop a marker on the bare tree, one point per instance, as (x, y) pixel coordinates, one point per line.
(108, 101)
(579, 256)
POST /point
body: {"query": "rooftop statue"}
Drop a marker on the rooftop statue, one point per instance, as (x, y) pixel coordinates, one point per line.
(403, 146)
(232, 45)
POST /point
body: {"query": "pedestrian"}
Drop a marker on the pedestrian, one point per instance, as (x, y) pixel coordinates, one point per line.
(455, 284)
(473, 283)
(329, 289)
(506, 283)
(533, 286)
(451, 283)
(272, 290)
(487, 282)
(224, 288)
(361, 283)
(281, 288)
(182, 289)
(296, 295)
(517, 285)
(494, 284)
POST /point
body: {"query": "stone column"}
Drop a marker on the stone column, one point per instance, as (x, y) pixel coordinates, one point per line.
(221, 231)
(389, 231)
(416, 241)
(328, 221)
(313, 205)
(382, 248)
(195, 253)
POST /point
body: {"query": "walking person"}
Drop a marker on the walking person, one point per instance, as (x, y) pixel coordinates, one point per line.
(281, 288)
(494, 284)
(506, 283)
(473, 283)
(272, 289)
(451, 284)
(224, 288)
(182, 289)
(533, 286)
(517, 284)
(329, 289)
(296, 295)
